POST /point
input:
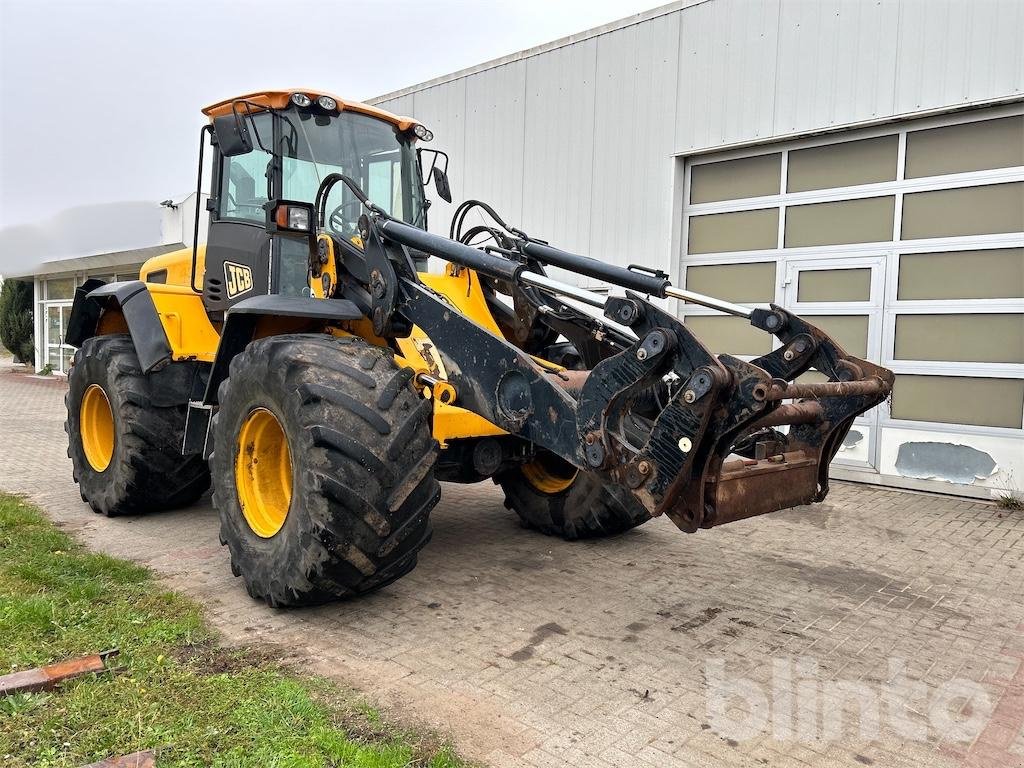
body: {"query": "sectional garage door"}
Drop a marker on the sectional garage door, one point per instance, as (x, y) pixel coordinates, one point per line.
(906, 242)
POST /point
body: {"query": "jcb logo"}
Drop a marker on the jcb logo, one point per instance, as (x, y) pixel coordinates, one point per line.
(238, 278)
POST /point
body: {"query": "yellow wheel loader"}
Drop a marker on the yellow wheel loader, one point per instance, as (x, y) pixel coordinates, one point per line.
(306, 364)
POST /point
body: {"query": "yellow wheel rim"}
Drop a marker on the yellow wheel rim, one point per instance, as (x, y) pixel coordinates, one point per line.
(96, 423)
(550, 474)
(263, 473)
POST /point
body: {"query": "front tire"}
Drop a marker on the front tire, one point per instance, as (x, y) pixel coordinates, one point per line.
(322, 468)
(125, 431)
(555, 498)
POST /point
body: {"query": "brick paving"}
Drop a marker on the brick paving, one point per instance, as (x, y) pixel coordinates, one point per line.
(533, 652)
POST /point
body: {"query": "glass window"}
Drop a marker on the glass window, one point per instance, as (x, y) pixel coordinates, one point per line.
(729, 335)
(985, 210)
(834, 285)
(244, 187)
(739, 231)
(848, 221)
(60, 288)
(368, 150)
(736, 179)
(750, 283)
(959, 400)
(966, 147)
(843, 165)
(968, 338)
(997, 273)
(850, 331)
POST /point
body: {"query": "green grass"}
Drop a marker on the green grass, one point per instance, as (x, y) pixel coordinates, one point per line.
(175, 690)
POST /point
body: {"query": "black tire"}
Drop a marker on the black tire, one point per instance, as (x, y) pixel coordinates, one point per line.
(362, 458)
(147, 472)
(586, 509)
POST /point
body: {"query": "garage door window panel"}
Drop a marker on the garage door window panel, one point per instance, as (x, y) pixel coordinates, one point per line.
(742, 283)
(729, 335)
(975, 146)
(737, 231)
(829, 285)
(846, 164)
(968, 338)
(996, 273)
(736, 179)
(850, 331)
(868, 220)
(959, 400)
(983, 210)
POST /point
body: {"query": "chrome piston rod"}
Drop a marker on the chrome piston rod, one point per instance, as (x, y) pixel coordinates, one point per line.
(558, 288)
(708, 301)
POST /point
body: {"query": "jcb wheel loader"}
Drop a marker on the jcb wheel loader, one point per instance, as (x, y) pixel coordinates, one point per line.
(307, 364)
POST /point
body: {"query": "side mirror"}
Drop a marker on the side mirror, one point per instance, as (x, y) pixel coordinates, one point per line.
(444, 190)
(232, 135)
(438, 171)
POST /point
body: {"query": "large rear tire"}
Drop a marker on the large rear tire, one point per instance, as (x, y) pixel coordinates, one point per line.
(555, 498)
(323, 468)
(125, 431)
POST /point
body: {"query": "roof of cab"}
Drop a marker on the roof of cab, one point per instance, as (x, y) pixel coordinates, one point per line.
(279, 100)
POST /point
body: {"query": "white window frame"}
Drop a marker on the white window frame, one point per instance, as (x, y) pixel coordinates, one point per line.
(892, 249)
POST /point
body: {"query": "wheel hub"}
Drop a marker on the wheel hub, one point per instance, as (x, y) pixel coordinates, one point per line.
(550, 474)
(263, 473)
(97, 428)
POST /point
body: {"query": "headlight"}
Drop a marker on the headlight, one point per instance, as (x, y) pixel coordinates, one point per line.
(298, 218)
(422, 133)
(301, 100)
(326, 102)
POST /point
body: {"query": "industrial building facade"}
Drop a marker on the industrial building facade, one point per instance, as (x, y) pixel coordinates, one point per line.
(859, 163)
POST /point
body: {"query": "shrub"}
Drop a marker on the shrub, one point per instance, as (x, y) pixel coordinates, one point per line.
(16, 327)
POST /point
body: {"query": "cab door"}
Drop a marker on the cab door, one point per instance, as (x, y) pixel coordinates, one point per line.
(238, 249)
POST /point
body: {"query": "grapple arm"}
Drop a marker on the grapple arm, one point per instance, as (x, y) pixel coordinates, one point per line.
(684, 465)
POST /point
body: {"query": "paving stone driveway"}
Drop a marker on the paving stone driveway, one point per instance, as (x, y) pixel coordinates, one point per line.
(872, 629)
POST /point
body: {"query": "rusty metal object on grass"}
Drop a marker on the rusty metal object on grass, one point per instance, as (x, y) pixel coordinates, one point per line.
(145, 759)
(44, 678)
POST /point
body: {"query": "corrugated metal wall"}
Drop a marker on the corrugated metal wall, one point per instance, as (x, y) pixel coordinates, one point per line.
(575, 142)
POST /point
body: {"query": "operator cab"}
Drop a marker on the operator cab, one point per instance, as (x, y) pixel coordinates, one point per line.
(274, 156)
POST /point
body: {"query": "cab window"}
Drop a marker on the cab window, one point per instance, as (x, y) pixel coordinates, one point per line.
(243, 178)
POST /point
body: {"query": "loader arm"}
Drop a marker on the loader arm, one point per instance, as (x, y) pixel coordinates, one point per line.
(679, 459)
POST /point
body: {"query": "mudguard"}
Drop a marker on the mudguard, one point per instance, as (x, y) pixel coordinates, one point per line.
(241, 321)
(132, 298)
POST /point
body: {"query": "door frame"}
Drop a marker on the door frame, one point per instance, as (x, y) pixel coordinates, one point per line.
(874, 308)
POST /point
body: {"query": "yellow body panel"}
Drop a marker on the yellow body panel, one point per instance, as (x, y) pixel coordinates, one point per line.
(188, 327)
(462, 289)
(178, 265)
(193, 337)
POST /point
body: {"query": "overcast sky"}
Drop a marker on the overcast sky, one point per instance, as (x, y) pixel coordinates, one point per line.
(101, 98)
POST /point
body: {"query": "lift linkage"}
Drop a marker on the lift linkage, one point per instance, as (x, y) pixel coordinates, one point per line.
(691, 434)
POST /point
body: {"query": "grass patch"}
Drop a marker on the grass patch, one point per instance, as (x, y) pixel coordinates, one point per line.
(1011, 501)
(175, 690)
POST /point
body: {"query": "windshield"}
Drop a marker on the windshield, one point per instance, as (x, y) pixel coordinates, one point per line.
(371, 151)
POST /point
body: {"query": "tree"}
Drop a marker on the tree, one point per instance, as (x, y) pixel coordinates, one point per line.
(16, 326)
